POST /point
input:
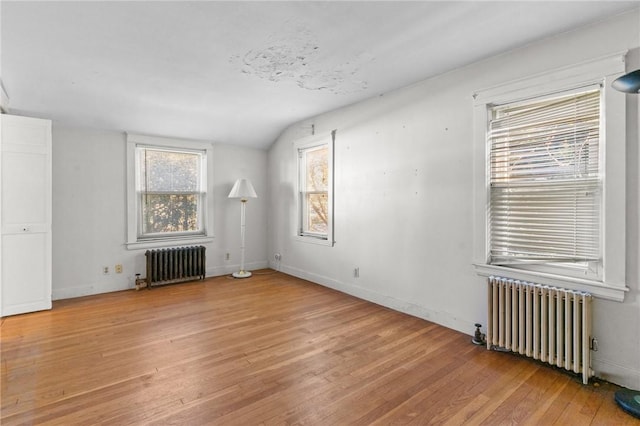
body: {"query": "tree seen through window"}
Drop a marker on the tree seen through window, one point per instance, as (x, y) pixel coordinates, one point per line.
(170, 191)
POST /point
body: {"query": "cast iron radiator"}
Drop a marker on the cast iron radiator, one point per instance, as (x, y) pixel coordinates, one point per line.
(549, 324)
(174, 265)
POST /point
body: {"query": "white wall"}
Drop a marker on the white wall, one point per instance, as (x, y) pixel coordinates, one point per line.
(89, 212)
(404, 191)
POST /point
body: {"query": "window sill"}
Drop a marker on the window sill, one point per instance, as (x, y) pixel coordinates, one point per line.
(167, 242)
(596, 288)
(314, 240)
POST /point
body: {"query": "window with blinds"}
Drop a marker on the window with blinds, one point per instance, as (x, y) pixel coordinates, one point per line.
(545, 181)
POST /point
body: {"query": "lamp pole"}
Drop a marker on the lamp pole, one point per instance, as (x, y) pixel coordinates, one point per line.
(242, 273)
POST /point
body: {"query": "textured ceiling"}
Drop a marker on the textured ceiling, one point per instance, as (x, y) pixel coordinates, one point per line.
(241, 72)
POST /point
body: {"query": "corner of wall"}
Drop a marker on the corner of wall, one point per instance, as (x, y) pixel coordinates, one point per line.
(445, 319)
(615, 373)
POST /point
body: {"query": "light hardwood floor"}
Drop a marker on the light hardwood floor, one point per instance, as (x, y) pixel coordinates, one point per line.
(270, 350)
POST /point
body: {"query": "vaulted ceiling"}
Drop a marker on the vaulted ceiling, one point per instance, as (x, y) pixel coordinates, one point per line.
(240, 72)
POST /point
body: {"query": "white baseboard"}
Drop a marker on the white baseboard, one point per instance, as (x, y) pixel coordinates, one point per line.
(614, 373)
(119, 285)
(445, 319)
(217, 271)
(88, 290)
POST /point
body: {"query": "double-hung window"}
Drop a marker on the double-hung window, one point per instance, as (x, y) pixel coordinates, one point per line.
(171, 191)
(545, 182)
(315, 189)
(550, 179)
(168, 191)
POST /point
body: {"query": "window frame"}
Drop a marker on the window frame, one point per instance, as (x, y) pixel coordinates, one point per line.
(589, 269)
(135, 238)
(308, 144)
(610, 283)
(200, 193)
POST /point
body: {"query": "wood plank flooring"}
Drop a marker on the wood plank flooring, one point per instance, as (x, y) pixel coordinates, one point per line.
(270, 350)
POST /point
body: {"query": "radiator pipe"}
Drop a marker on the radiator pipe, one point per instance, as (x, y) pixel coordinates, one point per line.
(140, 282)
(478, 337)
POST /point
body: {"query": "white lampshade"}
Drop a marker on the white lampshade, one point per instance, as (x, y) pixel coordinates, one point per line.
(243, 189)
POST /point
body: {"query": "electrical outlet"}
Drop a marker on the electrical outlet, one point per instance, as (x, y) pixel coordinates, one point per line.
(277, 257)
(356, 272)
(118, 269)
(227, 256)
(105, 270)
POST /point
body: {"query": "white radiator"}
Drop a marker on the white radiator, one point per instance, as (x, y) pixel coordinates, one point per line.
(549, 324)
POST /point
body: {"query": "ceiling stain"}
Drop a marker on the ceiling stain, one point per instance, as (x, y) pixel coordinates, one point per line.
(297, 58)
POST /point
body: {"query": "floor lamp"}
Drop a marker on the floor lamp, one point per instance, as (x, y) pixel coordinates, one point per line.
(628, 399)
(243, 190)
(628, 83)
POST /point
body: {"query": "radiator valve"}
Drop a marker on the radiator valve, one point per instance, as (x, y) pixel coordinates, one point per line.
(478, 337)
(140, 282)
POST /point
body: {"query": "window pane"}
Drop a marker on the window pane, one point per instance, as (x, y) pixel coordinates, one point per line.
(314, 186)
(546, 140)
(170, 191)
(316, 211)
(170, 171)
(170, 213)
(315, 189)
(545, 180)
(317, 162)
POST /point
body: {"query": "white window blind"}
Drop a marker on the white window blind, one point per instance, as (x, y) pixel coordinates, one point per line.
(545, 183)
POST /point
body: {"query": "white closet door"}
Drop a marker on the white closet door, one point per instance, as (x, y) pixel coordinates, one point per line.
(25, 215)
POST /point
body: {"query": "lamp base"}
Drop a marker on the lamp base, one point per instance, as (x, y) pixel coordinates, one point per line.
(241, 274)
(629, 401)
